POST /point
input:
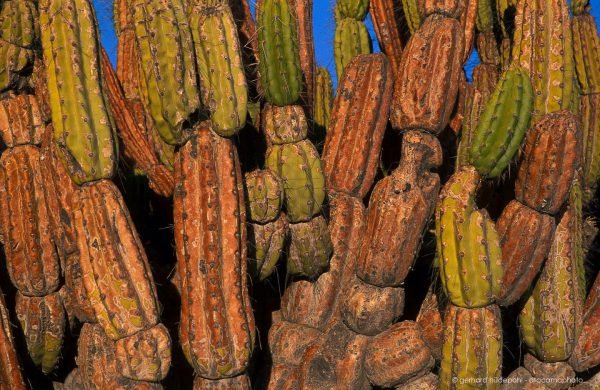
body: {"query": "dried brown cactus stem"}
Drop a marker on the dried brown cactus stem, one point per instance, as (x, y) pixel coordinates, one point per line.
(217, 324)
(10, 371)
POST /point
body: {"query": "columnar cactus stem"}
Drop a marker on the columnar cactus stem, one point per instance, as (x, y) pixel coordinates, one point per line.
(10, 371)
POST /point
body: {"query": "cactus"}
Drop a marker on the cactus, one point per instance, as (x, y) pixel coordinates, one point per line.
(279, 63)
(31, 256)
(580, 7)
(264, 195)
(552, 317)
(386, 362)
(586, 45)
(299, 166)
(431, 324)
(472, 347)
(552, 372)
(522, 258)
(449, 8)
(219, 61)
(412, 15)
(485, 16)
(146, 355)
(317, 304)
(468, 21)
(487, 49)
(388, 28)
(468, 245)
(399, 211)
(369, 310)
(284, 125)
(10, 370)
(351, 39)
(355, 9)
(543, 47)
(210, 237)
(288, 342)
(427, 82)
(137, 145)
(114, 266)
(241, 382)
(83, 126)
(310, 248)
(267, 244)
(323, 101)
(306, 47)
(18, 31)
(42, 321)
(359, 118)
(587, 350)
(502, 124)
(169, 86)
(20, 121)
(551, 158)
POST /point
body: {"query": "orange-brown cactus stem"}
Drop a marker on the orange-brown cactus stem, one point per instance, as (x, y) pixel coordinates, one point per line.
(248, 42)
(136, 145)
(128, 71)
(468, 16)
(306, 46)
(397, 355)
(487, 48)
(316, 304)
(146, 355)
(217, 324)
(587, 350)
(31, 255)
(449, 8)
(431, 323)
(522, 258)
(358, 121)
(10, 370)
(288, 342)
(115, 269)
(335, 361)
(427, 86)
(557, 374)
(98, 365)
(388, 20)
(20, 121)
(552, 156)
(399, 211)
(241, 382)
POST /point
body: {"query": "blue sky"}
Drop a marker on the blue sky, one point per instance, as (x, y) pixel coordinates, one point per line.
(323, 25)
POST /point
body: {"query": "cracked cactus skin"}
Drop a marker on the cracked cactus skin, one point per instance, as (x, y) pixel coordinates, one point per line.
(502, 125)
(368, 309)
(351, 39)
(264, 195)
(355, 9)
(397, 355)
(551, 319)
(299, 166)
(428, 79)
(267, 244)
(279, 63)
(114, 266)
(169, 88)
(43, 322)
(220, 66)
(358, 122)
(472, 347)
(306, 46)
(240, 382)
(146, 355)
(10, 370)
(431, 323)
(551, 158)
(586, 45)
(284, 125)
(522, 258)
(543, 47)
(468, 244)
(217, 324)
(83, 126)
(399, 211)
(388, 26)
(310, 248)
(557, 374)
(316, 304)
(31, 256)
(449, 8)
(21, 121)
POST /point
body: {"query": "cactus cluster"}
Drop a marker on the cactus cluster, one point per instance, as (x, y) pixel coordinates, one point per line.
(415, 228)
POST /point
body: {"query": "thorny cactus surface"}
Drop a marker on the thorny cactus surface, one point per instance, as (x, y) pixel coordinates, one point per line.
(416, 228)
